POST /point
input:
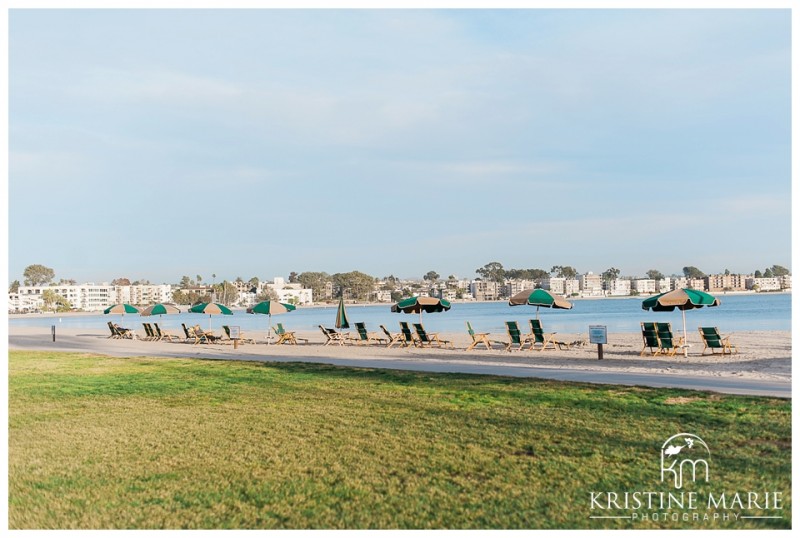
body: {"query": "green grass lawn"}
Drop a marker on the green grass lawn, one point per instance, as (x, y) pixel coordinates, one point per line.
(143, 443)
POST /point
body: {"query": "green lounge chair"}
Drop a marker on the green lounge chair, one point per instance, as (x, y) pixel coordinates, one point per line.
(242, 338)
(122, 332)
(429, 340)
(515, 337)
(193, 336)
(713, 340)
(366, 337)
(149, 334)
(543, 339)
(114, 331)
(396, 338)
(408, 336)
(332, 336)
(667, 343)
(649, 338)
(164, 334)
(480, 338)
(286, 337)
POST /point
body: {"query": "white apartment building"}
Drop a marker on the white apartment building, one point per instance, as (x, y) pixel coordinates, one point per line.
(87, 297)
(644, 286)
(764, 284)
(18, 303)
(484, 291)
(663, 285)
(383, 296)
(562, 286)
(591, 285)
(513, 287)
(96, 297)
(293, 292)
(147, 294)
(448, 294)
(690, 283)
(618, 287)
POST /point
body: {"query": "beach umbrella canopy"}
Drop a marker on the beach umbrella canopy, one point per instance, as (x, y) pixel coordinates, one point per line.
(159, 309)
(122, 308)
(682, 299)
(539, 297)
(269, 308)
(211, 309)
(341, 316)
(412, 305)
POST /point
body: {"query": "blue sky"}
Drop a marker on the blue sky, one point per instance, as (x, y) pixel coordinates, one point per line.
(155, 144)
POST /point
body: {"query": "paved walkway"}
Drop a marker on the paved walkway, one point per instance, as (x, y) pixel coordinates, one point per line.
(400, 360)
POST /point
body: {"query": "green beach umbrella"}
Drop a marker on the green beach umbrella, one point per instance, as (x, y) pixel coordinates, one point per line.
(341, 316)
(412, 305)
(122, 309)
(537, 298)
(159, 309)
(269, 308)
(683, 299)
(211, 309)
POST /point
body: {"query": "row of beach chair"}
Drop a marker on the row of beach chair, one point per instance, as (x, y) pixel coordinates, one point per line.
(658, 339)
(405, 338)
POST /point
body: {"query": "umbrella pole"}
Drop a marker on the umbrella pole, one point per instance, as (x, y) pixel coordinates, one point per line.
(269, 327)
(685, 341)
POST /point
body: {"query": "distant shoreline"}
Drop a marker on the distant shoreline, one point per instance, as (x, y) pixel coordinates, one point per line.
(333, 305)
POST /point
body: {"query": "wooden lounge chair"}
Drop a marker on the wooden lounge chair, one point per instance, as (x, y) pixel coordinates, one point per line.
(407, 335)
(149, 334)
(192, 336)
(210, 338)
(366, 337)
(649, 338)
(543, 339)
(515, 337)
(396, 338)
(286, 337)
(713, 340)
(164, 334)
(428, 340)
(332, 336)
(667, 343)
(480, 338)
(123, 332)
(114, 331)
(242, 338)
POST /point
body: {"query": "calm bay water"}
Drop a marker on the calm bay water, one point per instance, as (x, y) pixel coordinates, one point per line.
(761, 312)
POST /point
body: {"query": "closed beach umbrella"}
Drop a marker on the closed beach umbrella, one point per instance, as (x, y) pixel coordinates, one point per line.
(341, 316)
(122, 309)
(211, 309)
(412, 305)
(269, 308)
(159, 309)
(539, 297)
(682, 299)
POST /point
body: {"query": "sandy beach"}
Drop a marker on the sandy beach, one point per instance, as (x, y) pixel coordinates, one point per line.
(763, 356)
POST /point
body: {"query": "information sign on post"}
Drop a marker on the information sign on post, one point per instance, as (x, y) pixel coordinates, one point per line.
(598, 334)
(234, 329)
